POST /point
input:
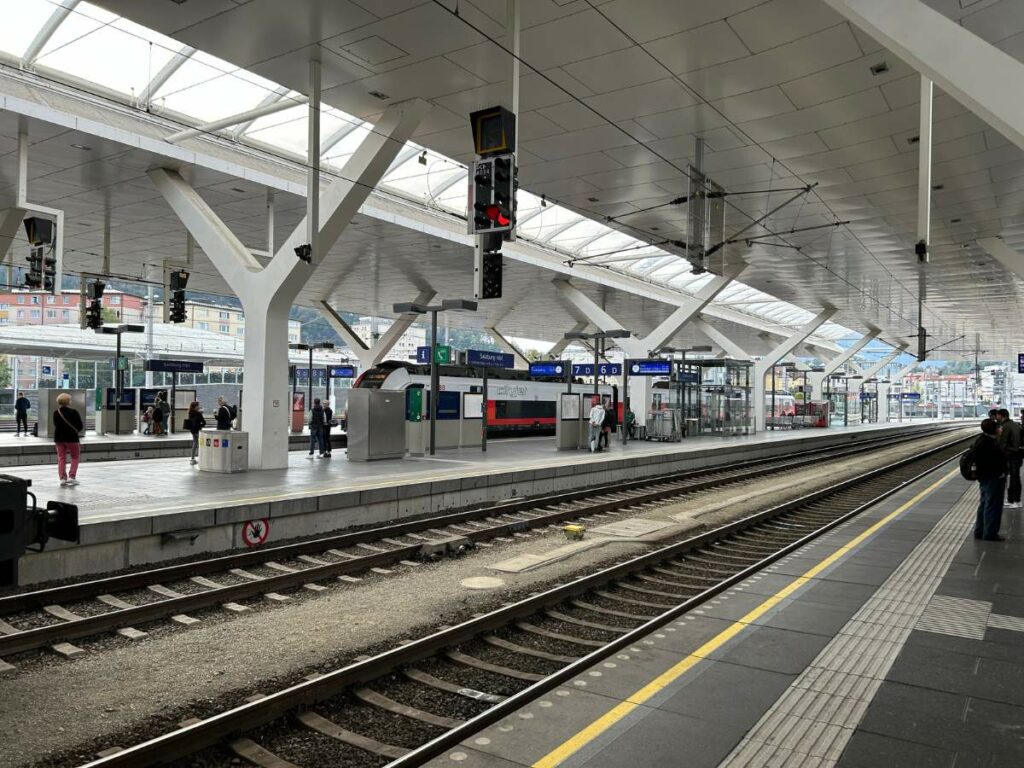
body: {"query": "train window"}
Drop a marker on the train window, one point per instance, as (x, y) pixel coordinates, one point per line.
(524, 409)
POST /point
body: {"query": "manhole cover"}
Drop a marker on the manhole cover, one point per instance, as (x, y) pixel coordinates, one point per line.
(482, 582)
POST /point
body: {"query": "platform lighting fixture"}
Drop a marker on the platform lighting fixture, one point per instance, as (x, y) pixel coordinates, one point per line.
(598, 337)
(446, 305)
(304, 253)
(423, 157)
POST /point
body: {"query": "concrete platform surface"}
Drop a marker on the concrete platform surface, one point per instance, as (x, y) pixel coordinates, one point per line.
(895, 640)
(135, 512)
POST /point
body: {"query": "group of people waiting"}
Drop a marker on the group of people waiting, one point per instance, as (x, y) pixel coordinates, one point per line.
(603, 422)
(996, 457)
(321, 420)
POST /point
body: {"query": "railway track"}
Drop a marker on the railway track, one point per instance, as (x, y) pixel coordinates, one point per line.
(53, 617)
(410, 704)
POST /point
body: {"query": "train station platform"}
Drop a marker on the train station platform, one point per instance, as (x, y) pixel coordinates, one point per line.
(897, 639)
(153, 510)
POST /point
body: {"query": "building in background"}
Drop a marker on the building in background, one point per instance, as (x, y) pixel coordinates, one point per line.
(370, 329)
(218, 318)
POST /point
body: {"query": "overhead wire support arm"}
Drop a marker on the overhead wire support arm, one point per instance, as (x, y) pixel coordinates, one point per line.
(758, 221)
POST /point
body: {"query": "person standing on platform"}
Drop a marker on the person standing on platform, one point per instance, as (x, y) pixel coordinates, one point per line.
(328, 423)
(990, 470)
(223, 415)
(1010, 434)
(316, 428)
(611, 421)
(158, 417)
(596, 422)
(21, 406)
(67, 427)
(194, 422)
(165, 410)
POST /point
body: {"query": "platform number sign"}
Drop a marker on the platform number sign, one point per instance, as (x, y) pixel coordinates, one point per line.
(1020, 363)
(255, 532)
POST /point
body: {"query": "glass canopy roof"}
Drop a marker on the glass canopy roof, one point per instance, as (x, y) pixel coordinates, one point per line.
(83, 44)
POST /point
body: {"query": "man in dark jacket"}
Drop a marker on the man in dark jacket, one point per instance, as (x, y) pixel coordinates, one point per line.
(21, 406)
(990, 469)
(328, 423)
(1009, 439)
(316, 428)
(223, 415)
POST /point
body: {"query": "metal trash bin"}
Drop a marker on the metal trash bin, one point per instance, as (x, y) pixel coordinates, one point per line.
(223, 451)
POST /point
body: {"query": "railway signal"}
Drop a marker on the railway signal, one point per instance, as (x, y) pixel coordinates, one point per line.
(493, 183)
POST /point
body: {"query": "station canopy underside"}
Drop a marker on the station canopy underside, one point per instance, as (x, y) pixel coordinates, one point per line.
(613, 95)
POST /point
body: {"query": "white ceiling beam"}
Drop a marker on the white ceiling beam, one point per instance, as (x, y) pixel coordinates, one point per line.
(274, 97)
(10, 223)
(328, 144)
(562, 343)
(975, 73)
(499, 338)
(166, 72)
(447, 184)
(719, 339)
(51, 25)
(241, 117)
(997, 248)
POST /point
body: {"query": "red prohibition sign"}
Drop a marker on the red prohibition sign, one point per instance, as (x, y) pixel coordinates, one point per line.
(255, 532)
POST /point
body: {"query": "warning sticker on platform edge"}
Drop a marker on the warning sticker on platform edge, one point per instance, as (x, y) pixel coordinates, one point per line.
(255, 532)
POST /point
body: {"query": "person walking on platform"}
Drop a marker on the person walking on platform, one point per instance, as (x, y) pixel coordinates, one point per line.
(990, 470)
(328, 423)
(1010, 434)
(611, 421)
(165, 412)
(316, 429)
(21, 406)
(158, 417)
(223, 415)
(596, 422)
(67, 427)
(194, 422)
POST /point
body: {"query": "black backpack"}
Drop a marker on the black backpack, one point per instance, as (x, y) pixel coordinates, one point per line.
(233, 410)
(967, 467)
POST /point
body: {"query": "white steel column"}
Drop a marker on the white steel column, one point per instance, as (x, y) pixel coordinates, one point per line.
(729, 347)
(1004, 254)
(633, 346)
(816, 378)
(762, 366)
(687, 311)
(370, 356)
(975, 73)
(873, 369)
(267, 293)
(561, 344)
(499, 338)
(10, 224)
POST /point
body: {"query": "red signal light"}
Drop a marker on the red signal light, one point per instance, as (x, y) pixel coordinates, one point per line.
(493, 213)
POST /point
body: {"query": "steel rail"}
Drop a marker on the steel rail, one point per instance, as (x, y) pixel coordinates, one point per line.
(39, 637)
(14, 603)
(205, 733)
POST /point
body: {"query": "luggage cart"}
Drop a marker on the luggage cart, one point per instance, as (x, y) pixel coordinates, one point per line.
(664, 426)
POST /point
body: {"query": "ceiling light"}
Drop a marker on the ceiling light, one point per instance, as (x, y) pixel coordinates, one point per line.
(423, 157)
(83, 147)
(594, 199)
(239, 190)
(955, 221)
(543, 201)
(379, 95)
(913, 139)
(880, 68)
(937, 187)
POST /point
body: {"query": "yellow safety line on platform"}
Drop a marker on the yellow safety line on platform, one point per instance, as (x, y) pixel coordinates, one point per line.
(610, 718)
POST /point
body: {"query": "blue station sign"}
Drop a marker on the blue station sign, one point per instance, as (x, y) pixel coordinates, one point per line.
(549, 368)
(603, 369)
(343, 372)
(487, 359)
(649, 367)
(174, 366)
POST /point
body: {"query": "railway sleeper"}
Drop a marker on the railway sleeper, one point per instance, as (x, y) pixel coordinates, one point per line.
(379, 700)
(323, 726)
(533, 629)
(247, 749)
(474, 663)
(424, 678)
(508, 645)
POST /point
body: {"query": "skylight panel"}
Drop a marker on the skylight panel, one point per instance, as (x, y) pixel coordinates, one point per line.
(22, 20)
(207, 89)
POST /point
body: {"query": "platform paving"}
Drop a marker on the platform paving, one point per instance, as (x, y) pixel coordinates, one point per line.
(905, 649)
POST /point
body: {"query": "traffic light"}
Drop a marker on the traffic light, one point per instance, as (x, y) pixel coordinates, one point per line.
(94, 315)
(34, 276)
(490, 268)
(492, 195)
(178, 314)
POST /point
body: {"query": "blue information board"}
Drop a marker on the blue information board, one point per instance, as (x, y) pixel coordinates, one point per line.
(343, 372)
(691, 377)
(912, 396)
(174, 366)
(488, 359)
(423, 355)
(649, 367)
(127, 398)
(448, 406)
(548, 368)
(603, 369)
(1020, 363)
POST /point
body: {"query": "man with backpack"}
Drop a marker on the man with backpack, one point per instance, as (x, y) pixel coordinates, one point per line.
(224, 415)
(1010, 433)
(985, 462)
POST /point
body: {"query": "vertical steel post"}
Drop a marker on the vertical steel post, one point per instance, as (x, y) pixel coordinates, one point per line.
(309, 382)
(118, 386)
(597, 350)
(924, 201)
(483, 414)
(434, 379)
(313, 160)
(773, 398)
(174, 387)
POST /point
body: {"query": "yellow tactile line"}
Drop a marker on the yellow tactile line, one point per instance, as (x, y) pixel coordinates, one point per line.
(610, 718)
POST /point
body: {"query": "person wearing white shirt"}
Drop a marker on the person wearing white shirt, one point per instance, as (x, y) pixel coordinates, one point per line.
(597, 416)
